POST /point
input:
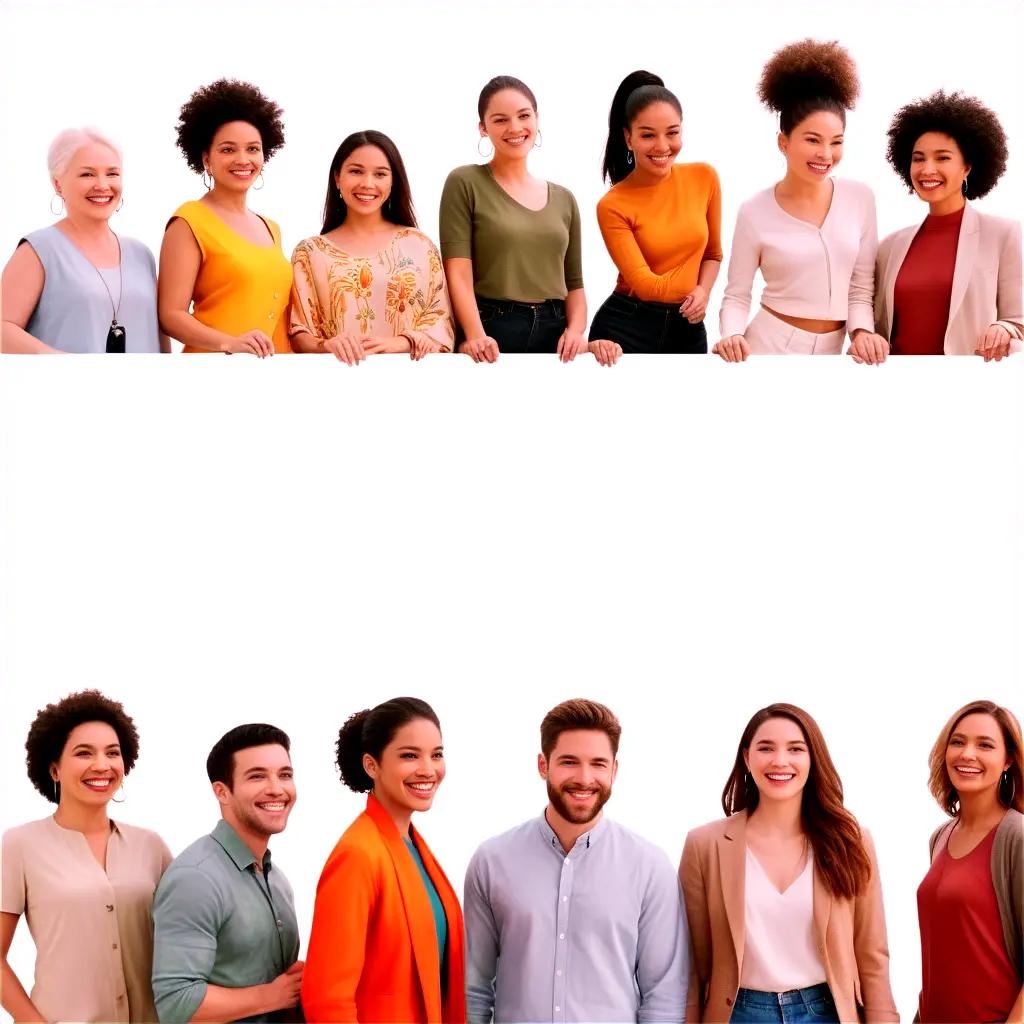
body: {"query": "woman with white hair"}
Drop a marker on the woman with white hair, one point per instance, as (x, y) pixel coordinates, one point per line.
(76, 286)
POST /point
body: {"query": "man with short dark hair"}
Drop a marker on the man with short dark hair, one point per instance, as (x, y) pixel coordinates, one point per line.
(226, 938)
(571, 917)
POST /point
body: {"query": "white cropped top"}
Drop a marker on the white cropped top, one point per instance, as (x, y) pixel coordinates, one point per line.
(824, 273)
(779, 951)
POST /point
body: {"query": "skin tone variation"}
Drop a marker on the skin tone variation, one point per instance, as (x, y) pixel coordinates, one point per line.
(91, 189)
(655, 139)
(976, 757)
(812, 151)
(409, 772)
(365, 181)
(579, 774)
(234, 162)
(256, 805)
(89, 773)
(510, 122)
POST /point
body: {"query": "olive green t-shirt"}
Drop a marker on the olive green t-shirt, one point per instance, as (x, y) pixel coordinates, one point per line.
(518, 254)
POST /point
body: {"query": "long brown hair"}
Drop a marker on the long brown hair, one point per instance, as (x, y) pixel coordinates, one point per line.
(833, 832)
(1011, 783)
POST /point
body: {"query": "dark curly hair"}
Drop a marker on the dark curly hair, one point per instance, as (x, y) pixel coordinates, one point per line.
(805, 77)
(53, 724)
(217, 104)
(966, 120)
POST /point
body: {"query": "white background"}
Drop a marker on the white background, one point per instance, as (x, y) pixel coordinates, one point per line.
(213, 541)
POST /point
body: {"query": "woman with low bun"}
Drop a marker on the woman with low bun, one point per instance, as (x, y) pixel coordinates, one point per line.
(661, 225)
(951, 285)
(812, 236)
(386, 942)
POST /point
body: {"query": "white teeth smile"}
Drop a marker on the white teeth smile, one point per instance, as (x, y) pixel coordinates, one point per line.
(517, 141)
(779, 776)
(820, 168)
(423, 787)
(242, 174)
(964, 770)
(277, 805)
(930, 184)
(97, 783)
(102, 200)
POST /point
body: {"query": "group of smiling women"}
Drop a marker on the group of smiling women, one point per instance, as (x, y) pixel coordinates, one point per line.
(508, 277)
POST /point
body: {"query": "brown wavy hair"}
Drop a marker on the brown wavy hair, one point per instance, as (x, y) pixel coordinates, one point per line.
(833, 832)
(1011, 784)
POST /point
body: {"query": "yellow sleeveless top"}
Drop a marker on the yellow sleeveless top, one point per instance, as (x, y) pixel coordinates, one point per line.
(240, 286)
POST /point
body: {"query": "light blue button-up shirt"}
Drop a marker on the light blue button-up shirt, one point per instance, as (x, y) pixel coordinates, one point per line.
(595, 934)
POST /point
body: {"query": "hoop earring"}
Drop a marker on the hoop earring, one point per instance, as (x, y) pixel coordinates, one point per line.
(124, 796)
(629, 157)
(539, 141)
(486, 156)
(256, 187)
(58, 212)
(209, 184)
(120, 205)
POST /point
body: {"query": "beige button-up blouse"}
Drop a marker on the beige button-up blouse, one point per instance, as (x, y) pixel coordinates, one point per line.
(92, 928)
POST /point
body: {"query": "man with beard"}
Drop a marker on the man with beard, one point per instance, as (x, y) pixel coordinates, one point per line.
(570, 917)
(226, 938)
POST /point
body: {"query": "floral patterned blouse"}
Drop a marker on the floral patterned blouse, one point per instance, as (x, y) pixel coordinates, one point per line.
(398, 291)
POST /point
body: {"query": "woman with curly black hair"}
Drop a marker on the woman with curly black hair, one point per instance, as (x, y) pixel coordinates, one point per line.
(813, 237)
(951, 285)
(84, 882)
(218, 256)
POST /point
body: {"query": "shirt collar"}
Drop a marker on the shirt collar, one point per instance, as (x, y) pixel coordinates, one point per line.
(232, 844)
(585, 841)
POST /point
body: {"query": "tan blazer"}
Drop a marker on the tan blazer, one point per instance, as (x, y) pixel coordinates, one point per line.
(850, 934)
(986, 281)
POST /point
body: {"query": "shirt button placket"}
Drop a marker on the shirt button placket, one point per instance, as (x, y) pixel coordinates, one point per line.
(562, 942)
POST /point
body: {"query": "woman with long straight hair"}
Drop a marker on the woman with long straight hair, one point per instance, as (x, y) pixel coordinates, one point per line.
(782, 895)
(661, 224)
(370, 282)
(970, 905)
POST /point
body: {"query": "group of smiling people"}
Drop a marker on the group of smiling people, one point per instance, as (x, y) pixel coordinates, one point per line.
(775, 914)
(508, 277)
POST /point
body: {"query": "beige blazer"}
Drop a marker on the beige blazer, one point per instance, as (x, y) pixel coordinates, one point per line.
(850, 934)
(986, 281)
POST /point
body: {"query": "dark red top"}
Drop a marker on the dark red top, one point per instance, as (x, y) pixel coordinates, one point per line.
(966, 974)
(923, 287)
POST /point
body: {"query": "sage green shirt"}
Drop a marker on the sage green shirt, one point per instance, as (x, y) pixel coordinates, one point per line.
(217, 920)
(518, 254)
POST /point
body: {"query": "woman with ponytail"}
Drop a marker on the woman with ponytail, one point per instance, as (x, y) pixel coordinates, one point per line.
(782, 895)
(660, 222)
(812, 236)
(386, 943)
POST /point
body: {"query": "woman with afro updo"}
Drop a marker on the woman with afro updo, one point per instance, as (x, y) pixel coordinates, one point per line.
(387, 936)
(83, 882)
(219, 257)
(812, 236)
(951, 285)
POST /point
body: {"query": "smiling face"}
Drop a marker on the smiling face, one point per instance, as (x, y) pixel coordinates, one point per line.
(814, 147)
(235, 157)
(938, 171)
(364, 180)
(579, 774)
(410, 769)
(90, 768)
(779, 760)
(510, 122)
(976, 755)
(262, 791)
(655, 137)
(91, 186)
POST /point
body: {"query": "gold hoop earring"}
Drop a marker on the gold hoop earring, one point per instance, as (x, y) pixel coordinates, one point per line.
(259, 178)
(60, 210)
(486, 156)
(209, 184)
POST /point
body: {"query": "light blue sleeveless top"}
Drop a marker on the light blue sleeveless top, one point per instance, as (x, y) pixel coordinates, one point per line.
(73, 312)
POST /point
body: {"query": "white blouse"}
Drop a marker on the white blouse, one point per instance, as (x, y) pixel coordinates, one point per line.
(825, 273)
(779, 951)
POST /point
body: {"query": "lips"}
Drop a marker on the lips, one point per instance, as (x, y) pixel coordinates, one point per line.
(98, 785)
(780, 778)
(969, 771)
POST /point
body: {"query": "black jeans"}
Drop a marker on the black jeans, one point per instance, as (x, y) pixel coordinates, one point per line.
(647, 327)
(523, 326)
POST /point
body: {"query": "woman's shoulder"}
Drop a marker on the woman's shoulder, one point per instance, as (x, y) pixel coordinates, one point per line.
(192, 209)
(141, 838)
(992, 224)
(1010, 831)
(26, 835)
(467, 174)
(139, 250)
(315, 243)
(695, 173)
(854, 192)
(413, 236)
(560, 194)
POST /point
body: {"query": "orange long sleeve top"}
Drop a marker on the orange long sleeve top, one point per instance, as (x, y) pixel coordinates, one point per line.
(658, 235)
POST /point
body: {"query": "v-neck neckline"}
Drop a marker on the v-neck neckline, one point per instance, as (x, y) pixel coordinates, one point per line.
(82, 845)
(760, 867)
(807, 223)
(511, 198)
(227, 227)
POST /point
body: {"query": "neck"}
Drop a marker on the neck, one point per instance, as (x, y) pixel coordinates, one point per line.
(86, 228)
(781, 818)
(364, 225)
(401, 816)
(568, 832)
(225, 199)
(801, 188)
(510, 168)
(82, 818)
(255, 841)
(980, 810)
(640, 176)
(948, 205)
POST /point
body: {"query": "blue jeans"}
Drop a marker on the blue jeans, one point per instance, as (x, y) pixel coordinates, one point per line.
(812, 1005)
(648, 327)
(523, 326)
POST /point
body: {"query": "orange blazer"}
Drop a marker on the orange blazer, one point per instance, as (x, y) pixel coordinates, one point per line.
(850, 934)
(373, 949)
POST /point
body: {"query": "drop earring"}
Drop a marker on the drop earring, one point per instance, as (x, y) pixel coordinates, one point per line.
(629, 157)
